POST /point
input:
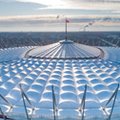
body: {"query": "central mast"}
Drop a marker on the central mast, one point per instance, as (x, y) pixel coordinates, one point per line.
(66, 36)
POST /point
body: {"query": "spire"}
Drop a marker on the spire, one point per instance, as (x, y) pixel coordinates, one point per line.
(66, 21)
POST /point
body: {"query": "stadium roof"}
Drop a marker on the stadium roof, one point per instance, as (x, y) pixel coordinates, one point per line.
(65, 49)
(36, 69)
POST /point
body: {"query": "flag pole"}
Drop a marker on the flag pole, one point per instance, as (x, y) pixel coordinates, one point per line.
(66, 29)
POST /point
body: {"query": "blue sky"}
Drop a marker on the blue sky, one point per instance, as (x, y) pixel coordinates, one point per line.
(49, 15)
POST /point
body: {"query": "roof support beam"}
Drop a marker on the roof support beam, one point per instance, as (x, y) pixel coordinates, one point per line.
(24, 96)
(55, 110)
(82, 107)
(113, 97)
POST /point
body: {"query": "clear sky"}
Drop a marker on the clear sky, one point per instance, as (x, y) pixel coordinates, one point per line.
(49, 15)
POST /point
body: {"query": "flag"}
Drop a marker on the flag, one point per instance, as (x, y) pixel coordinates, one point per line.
(58, 17)
(67, 21)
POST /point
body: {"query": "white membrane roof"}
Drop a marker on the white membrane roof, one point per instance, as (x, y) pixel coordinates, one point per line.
(65, 49)
(68, 76)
